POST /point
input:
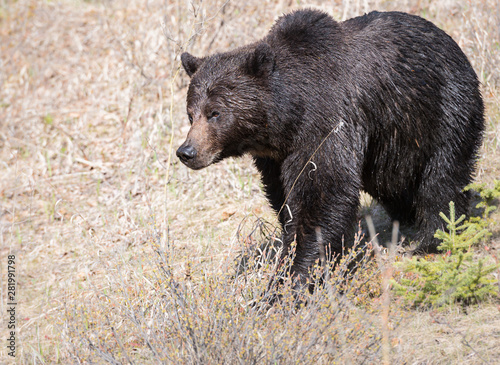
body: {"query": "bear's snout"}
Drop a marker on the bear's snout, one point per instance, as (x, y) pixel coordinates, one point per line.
(196, 156)
(186, 153)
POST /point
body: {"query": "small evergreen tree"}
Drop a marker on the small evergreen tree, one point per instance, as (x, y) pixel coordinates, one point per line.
(454, 276)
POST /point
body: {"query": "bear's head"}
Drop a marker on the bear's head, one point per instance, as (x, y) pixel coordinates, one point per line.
(226, 105)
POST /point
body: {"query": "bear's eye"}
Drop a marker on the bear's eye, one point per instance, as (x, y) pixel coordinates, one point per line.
(214, 114)
(190, 117)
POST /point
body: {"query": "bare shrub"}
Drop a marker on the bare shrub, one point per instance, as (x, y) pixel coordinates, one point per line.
(190, 316)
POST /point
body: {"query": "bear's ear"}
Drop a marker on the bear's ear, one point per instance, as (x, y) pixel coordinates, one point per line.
(191, 63)
(261, 61)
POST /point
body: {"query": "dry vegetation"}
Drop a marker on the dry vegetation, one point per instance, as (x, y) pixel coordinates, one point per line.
(124, 255)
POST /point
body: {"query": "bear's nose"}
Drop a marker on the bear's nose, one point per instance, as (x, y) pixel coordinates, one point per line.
(186, 153)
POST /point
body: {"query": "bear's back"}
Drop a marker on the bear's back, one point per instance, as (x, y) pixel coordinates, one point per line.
(305, 33)
(402, 37)
(393, 35)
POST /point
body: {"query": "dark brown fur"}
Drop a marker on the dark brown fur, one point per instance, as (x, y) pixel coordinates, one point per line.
(400, 95)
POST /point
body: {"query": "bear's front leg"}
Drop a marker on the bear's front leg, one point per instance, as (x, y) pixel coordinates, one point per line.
(270, 171)
(321, 210)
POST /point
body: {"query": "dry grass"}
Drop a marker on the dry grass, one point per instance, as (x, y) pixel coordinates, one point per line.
(87, 114)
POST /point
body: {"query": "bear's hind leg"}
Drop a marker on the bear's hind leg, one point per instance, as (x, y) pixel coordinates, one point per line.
(442, 181)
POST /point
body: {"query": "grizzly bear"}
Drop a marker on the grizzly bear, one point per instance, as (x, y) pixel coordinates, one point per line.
(386, 103)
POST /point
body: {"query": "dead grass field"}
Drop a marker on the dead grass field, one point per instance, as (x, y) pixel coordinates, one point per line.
(92, 104)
